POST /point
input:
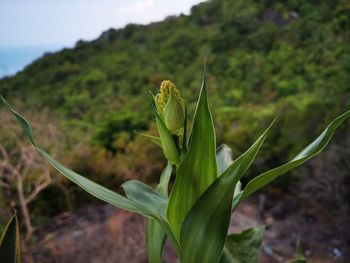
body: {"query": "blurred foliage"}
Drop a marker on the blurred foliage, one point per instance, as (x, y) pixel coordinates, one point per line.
(268, 58)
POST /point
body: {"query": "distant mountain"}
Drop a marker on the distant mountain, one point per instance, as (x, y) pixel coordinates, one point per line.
(265, 58)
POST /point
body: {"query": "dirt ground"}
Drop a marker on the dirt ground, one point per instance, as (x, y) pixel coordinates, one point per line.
(104, 234)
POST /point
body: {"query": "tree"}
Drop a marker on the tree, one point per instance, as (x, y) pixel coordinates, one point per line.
(23, 170)
(23, 174)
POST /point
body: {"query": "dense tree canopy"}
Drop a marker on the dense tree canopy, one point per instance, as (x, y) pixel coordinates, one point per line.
(265, 58)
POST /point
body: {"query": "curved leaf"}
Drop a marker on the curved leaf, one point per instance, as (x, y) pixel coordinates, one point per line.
(198, 168)
(298, 257)
(163, 185)
(243, 247)
(101, 192)
(88, 185)
(10, 249)
(204, 230)
(154, 139)
(152, 203)
(310, 151)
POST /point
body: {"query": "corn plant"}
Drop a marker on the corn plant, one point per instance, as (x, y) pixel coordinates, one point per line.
(196, 215)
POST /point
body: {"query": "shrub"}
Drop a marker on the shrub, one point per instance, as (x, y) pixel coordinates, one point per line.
(196, 214)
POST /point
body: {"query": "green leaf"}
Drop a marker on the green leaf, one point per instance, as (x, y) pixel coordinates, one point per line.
(10, 249)
(164, 180)
(155, 238)
(155, 235)
(184, 137)
(152, 202)
(310, 151)
(198, 168)
(298, 257)
(88, 185)
(204, 230)
(104, 193)
(154, 139)
(243, 247)
(168, 144)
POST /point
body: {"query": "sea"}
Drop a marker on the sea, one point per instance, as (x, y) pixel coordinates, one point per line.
(15, 59)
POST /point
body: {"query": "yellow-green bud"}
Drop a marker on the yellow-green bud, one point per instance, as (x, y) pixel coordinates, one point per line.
(171, 106)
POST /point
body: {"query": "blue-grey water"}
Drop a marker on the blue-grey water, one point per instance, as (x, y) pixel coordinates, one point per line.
(14, 59)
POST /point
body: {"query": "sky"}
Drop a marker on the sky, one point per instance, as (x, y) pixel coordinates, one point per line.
(53, 23)
(30, 28)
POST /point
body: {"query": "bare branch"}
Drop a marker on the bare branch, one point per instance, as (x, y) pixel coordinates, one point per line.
(45, 181)
(4, 153)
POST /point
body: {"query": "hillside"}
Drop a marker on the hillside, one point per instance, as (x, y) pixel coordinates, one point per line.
(265, 58)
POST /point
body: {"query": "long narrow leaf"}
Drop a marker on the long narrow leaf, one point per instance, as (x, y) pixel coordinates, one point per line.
(163, 185)
(95, 189)
(198, 169)
(310, 151)
(154, 139)
(88, 185)
(298, 257)
(243, 247)
(152, 202)
(184, 139)
(204, 231)
(155, 238)
(10, 250)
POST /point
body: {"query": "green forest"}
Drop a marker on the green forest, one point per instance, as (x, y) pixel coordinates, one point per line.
(265, 59)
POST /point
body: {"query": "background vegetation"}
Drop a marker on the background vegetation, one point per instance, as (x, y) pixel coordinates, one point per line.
(289, 59)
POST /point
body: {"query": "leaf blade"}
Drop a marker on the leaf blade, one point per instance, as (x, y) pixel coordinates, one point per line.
(198, 168)
(204, 231)
(243, 247)
(154, 139)
(93, 188)
(298, 256)
(307, 153)
(10, 251)
(155, 239)
(153, 203)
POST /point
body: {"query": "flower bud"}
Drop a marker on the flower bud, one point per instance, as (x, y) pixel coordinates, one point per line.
(170, 106)
(167, 142)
